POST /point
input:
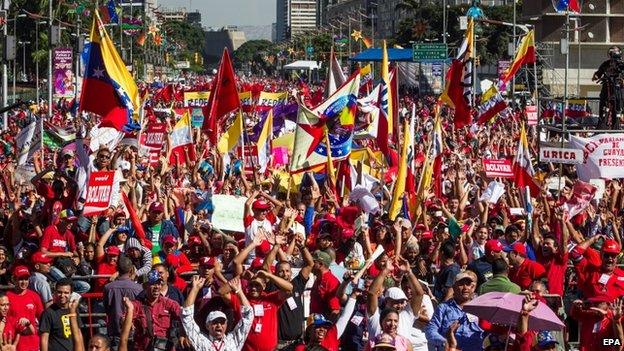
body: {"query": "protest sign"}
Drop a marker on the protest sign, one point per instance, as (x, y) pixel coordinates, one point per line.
(196, 98)
(228, 212)
(603, 156)
(266, 101)
(560, 155)
(197, 117)
(497, 168)
(250, 157)
(64, 85)
(154, 141)
(99, 190)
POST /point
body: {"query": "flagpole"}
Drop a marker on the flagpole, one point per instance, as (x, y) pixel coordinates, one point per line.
(474, 65)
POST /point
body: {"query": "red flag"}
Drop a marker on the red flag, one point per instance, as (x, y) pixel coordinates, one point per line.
(454, 94)
(136, 223)
(165, 94)
(223, 99)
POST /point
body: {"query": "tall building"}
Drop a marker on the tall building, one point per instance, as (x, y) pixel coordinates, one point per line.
(302, 16)
(601, 25)
(173, 14)
(294, 17)
(281, 20)
(215, 40)
(194, 18)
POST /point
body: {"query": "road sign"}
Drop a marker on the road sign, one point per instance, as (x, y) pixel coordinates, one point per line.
(310, 50)
(430, 52)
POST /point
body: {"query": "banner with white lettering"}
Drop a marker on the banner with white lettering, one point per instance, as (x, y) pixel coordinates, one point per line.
(497, 168)
(603, 156)
(246, 101)
(155, 139)
(99, 190)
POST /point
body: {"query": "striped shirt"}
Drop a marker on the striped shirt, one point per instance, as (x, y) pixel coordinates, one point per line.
(233, 341)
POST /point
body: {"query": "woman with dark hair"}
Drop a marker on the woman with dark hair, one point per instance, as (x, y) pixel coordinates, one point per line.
(389, 318)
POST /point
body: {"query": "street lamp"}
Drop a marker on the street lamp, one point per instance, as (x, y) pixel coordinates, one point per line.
(37, 23)
(23, 44)
(17, 15)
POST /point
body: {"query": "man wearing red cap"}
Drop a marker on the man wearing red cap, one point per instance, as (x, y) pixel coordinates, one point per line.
(39, 282)
(483, 266)
(523, 271)
(597, 272)
(58, 240)
(258, 220)
(26, 307)
(157, 226)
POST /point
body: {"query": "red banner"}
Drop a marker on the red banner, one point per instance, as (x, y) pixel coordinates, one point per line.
(498, 168)
(99, 191)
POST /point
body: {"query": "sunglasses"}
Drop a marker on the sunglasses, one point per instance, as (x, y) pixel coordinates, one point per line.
(104, 156)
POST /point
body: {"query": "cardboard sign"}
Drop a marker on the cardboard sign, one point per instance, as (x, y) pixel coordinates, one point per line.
(561, 155)
(196, 98)
(228, 212)
(99, 190)
(498, 168)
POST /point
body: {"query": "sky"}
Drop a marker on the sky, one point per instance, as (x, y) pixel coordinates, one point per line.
(218, 13)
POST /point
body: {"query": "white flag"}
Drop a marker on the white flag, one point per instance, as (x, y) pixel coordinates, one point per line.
(28, 141)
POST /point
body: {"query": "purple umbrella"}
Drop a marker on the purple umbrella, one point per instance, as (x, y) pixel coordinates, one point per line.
(504, 309)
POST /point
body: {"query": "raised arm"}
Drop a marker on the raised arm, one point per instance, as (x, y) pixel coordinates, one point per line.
(376, 289)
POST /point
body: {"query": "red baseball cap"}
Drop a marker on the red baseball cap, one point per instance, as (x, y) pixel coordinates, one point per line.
(493, 245)
(194, 240)
(21, 271)
(256, 263)
(40, 257)
(157, 207)
(207, 261)
(519, 248)
(169, 240)
(260, 205)
(611, 246)
(264, 248)
(113, 251)
(426, 235)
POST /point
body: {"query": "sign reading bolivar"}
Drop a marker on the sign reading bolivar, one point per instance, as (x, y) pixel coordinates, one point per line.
(603, 156)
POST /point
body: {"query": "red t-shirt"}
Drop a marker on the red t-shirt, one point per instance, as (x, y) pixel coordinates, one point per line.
(27, 305)
(590, 276)
(103, 267)
(594, 329)
(323, 295)
(263, 333)
(526, 273)
(555, 267)
(54, 241)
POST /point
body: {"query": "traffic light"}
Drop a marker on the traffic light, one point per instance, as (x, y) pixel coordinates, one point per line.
(167, 57)
(478, 61)
(197, 58)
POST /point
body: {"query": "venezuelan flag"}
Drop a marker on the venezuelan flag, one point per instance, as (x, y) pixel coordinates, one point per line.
(108, 88)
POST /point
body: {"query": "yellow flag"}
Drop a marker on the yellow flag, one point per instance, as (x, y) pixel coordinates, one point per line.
(331, 172)
(230, 138)
(399, 186)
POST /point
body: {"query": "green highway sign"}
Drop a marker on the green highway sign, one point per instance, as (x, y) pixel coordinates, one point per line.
(430, 52)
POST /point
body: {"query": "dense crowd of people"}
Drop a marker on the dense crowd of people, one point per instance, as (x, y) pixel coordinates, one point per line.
(314, 269)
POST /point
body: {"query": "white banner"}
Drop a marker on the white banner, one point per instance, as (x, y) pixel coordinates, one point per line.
(228, 212)
(561, 155)
(603, 156)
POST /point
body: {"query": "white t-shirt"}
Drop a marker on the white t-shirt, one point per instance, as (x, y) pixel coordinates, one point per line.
(250, 233)
(409, 326)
